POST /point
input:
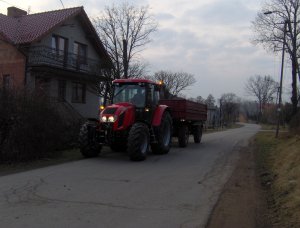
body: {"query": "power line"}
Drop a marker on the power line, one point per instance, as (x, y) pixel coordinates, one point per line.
(62, 3)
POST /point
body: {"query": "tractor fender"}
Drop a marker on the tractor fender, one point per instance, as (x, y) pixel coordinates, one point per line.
(158, 113)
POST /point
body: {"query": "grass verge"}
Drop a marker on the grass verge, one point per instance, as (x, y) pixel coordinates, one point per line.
(278, 163)
(66, 156)
(273, 127)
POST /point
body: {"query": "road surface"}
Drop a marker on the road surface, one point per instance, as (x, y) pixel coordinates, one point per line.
(175, 190)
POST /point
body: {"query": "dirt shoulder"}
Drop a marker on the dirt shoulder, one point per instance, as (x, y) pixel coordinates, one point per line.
(242, 201)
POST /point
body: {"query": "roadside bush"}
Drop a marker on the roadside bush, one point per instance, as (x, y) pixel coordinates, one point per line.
(295, 124)
(30, 127)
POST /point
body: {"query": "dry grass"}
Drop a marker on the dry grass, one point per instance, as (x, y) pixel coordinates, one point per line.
(273, 127)
(279, 162)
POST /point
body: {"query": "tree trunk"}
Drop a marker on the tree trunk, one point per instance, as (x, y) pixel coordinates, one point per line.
(294, 97)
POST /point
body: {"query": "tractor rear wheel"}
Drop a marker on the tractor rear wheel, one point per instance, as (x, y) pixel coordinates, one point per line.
(197, 134)
(163, 135)
(138, 142)
(183, 136)
(87, 141)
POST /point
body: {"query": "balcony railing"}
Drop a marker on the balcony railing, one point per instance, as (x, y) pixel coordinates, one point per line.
(45, 56)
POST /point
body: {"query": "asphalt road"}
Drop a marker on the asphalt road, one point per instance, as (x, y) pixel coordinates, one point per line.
(174, 190)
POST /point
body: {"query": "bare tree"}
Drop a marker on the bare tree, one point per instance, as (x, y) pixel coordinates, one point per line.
(278, 23)
(229, 105)
(130, 24)
(175, 82)
(138, 69)
(210, 100)
(263, 88)
(250, 110)
(200, 99)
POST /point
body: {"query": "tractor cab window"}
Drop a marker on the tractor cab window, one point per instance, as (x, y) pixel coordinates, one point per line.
(133, 93)
(156, 96)
(153, 95)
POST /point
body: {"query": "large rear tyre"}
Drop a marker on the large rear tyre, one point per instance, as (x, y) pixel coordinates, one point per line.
(138, 142)
(197, 134)
(183, 136)
(163, 135)
(87, 141)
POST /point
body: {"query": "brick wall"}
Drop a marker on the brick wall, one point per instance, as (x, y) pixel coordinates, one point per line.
(12, 63)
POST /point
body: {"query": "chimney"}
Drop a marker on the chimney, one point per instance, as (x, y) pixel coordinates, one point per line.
(15, 12)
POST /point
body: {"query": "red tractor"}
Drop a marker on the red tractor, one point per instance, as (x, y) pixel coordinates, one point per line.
(136, 120)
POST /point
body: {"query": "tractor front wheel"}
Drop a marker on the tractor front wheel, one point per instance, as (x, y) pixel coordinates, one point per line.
(87, 141)
(138, 142)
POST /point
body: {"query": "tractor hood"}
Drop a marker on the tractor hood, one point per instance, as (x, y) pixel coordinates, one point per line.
(120, 115)
(115, 109)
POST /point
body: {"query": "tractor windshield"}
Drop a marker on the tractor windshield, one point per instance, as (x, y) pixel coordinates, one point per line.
(133, 93)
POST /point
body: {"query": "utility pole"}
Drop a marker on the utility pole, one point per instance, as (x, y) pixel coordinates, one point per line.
(281, 77)
(281, 74)
(221, 114)
(125, 62)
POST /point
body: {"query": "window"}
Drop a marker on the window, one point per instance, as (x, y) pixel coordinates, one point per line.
(80, 51)
(59, 45)
(156, 96)
(6, 81)
(61, 90)
(153, 95)
(78, 92)
(133, 93)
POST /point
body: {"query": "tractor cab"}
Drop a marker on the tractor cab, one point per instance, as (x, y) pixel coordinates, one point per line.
(134, 93)
(143, 94)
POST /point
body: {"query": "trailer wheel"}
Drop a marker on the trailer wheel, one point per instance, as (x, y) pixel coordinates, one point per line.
(87, 141)
(183, 136)
(163, 135)
(197, 134)
(138, 142)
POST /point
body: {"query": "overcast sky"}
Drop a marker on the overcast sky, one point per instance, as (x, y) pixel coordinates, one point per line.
(207, 38)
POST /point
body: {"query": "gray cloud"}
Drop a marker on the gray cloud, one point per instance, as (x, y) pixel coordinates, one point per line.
(229, 12)
(164, 16)
(208, 38)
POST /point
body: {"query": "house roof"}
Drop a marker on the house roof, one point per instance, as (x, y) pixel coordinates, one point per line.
(26, 29)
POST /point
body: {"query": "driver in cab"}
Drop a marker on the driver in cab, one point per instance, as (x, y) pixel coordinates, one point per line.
(138, 99)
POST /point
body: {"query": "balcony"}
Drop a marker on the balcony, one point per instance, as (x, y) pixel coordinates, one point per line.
(45, 57)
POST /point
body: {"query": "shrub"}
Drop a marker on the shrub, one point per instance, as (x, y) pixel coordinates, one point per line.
(295, 124)
(30, 127)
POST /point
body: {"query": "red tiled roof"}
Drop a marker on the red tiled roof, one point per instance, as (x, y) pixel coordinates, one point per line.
(29, 28)
(8, 27)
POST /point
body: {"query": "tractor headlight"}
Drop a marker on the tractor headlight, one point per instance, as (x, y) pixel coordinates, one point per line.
(109, 119)
(112, 119)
